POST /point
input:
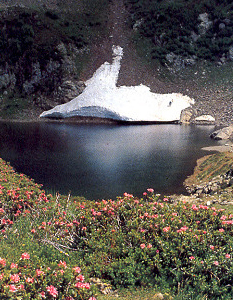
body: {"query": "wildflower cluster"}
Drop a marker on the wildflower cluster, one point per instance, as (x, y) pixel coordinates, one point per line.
(18, 195)
(126, 241)
(135, 241)
(23, 280)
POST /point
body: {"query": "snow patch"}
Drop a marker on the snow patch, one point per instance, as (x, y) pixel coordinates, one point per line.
(102, 98)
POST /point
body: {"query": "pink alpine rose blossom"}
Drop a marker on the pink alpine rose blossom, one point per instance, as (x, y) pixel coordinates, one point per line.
(25, 255)
(142, 246)
(62, 264)
(15, 278)
(76, 269)
(29, 279)
(12, 288)
(42, 294)
(14, 266)
(80, 278)
(39, 272)
(2, 262)
(52, 291)
(166, 229)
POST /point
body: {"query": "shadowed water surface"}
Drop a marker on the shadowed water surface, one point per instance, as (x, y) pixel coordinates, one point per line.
(104, 161)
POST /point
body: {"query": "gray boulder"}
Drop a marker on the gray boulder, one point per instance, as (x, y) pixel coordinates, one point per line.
(231, 53)
(223, 134)
(205, 24)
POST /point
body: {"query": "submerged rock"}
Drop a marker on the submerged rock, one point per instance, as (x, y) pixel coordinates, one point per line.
(102, 98)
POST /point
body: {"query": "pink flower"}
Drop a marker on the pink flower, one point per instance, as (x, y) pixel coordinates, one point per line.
(202, 262)
(76, 269)
(221, 230)
(42, 294)
(80, 278)
(216, 263)
(191, 257)
(142, 246)
(128, 195)
(92, 298)
(84, 285)
(29, 279)
(194, 207)
(39, 272)
(182, 229)
(15, 278)
(149, 246)
(62, 264)
(150, 190)
(1, 276)
(2, 262)
(14, 266)
(12, 288)
(52, 291)
(166, 229)
(227, 255)
(211, 247)
(25, 255)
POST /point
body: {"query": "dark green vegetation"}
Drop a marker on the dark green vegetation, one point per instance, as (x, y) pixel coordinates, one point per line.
(29, 40)
(43, 46)
(173, 26)
(179, 249)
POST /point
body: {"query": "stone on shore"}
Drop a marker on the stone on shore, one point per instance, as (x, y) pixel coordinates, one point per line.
(223, 134)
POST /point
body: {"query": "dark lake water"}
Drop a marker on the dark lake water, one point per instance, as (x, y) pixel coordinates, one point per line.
(104, 161)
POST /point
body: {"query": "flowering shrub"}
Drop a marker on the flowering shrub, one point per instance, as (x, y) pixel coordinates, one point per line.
(18, 194)
(22, 280)
(133, 241)
(127, 241)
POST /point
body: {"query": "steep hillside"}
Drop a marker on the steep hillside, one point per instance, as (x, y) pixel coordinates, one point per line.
(48, 48)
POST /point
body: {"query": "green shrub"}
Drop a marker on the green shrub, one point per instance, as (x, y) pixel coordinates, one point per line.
(173, 21)
(127, 242)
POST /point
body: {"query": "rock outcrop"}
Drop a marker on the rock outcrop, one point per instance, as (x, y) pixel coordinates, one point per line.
(217, 183)
(102, 98)
(223, 134)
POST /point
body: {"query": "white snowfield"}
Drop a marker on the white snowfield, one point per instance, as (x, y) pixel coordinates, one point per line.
(102, 98)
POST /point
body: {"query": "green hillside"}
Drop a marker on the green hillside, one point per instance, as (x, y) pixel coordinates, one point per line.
(46, 45)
